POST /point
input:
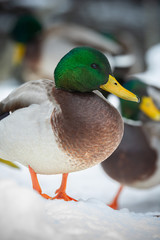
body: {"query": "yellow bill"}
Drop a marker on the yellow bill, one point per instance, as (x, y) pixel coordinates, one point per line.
(148, 107)
(19, 52)
(115, 88)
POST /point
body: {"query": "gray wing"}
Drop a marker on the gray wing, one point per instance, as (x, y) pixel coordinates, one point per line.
(33, 92)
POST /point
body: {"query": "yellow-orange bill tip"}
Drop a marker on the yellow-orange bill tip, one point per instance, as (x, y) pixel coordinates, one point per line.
(148, 107)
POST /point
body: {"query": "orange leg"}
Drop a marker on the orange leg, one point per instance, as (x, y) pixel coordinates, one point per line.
(114, 203)
(35, 183)
(61, 192)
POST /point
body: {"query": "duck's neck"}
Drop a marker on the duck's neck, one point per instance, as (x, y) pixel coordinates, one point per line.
(33, 53)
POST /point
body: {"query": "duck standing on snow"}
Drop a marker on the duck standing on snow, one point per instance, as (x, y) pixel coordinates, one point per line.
(64, 126)
(136, 161)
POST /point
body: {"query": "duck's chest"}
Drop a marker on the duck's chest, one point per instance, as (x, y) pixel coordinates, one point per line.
(76, 133)
(87, 128)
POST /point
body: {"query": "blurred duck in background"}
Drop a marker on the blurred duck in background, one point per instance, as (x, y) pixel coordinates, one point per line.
(136, 162)
(37, 49)
(10, 12)
(152, 73)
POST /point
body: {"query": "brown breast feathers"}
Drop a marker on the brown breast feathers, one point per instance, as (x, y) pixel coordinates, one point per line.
(88, 129)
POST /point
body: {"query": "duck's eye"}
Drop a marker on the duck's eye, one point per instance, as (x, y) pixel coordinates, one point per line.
(94, 66)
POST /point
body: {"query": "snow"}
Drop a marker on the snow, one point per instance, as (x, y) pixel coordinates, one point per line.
(26, 215)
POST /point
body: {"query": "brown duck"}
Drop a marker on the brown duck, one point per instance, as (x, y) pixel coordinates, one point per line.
(136, 161)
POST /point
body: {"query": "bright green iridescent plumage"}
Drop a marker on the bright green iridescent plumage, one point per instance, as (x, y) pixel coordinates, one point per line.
(26, 29)
(76, 72)
(129, 109)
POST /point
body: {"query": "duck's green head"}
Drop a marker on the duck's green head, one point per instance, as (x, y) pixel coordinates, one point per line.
(24, 31)
(85, 69)
(146, 105)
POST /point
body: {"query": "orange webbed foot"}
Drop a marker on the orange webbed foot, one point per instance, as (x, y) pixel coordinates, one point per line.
(36, 185)
(45, 196)
(61, 194)
(114, 203)
(64, 196)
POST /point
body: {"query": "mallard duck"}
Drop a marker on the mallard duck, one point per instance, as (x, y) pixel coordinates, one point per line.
(62, 126)
(136, 161)
(38, 48)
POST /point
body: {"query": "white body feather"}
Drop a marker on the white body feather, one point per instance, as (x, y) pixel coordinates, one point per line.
(27, 137)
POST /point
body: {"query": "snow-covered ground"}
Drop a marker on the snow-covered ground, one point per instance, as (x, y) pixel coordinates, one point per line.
(26, 215)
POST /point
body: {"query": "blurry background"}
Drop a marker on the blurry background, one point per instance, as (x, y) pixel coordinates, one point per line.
(123, 29)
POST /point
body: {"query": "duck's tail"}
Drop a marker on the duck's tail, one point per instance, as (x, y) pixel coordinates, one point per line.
(3, 111)
(3, 115)
(11, 164)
